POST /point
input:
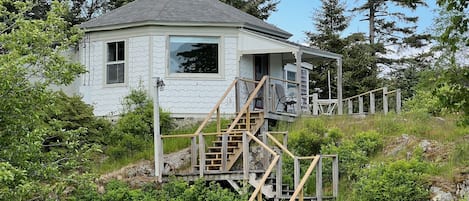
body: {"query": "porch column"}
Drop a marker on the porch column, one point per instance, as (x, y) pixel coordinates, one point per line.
(339, 87)
(298, 56)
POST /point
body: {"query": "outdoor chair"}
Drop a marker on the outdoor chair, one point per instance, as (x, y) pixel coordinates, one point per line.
(283, 99)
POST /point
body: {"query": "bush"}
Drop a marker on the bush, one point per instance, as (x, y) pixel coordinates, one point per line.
(369, 142)
(351, 158)
(400, 180)
(308, 140)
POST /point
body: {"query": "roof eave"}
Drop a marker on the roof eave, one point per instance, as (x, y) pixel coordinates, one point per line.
(153, 23)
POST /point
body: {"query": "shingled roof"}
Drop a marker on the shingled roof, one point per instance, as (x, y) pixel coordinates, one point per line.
(197, 12)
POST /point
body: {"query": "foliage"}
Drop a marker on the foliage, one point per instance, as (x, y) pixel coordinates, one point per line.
(71, 113)
(369, 142)
(135, 127)
(453, 91)
(352, 159)
(173, 191)
(456, 30)
(399, 180)
(38, 156)
(307, 141)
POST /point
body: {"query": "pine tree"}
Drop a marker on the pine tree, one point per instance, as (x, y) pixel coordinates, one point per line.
(383, 26)
(329, 21)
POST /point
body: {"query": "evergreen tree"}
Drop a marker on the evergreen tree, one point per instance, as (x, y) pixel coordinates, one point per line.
(383, 26)
(329, 22)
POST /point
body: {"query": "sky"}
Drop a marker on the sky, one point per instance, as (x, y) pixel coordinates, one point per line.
(295, 16)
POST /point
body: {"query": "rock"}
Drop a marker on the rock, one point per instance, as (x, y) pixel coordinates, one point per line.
(462, 189)
(176, 160)
(425, 145)
(439, 195)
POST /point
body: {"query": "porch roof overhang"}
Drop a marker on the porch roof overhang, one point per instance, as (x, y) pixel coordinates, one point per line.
(257, 43)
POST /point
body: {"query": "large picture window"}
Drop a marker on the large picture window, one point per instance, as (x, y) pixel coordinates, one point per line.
(193, 54)
(115, 65)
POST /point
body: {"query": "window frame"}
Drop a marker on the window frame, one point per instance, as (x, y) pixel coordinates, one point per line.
(221, 56)
(124, 62)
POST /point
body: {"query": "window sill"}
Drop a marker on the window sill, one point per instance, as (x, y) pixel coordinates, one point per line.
(116, 85)
(198, 76)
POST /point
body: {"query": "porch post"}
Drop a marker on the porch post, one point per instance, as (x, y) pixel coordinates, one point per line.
(298, 56)
(339, 87)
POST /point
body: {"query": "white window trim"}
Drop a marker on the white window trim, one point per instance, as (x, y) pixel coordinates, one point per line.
(125, 62)
(221, 60)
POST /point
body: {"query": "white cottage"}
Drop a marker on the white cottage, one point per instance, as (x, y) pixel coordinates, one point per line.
(199, 48)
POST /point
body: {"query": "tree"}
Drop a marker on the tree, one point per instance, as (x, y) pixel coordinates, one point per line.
(329, 22)
(32, 166)
(382, 28)
(257, 8)
(458, 22)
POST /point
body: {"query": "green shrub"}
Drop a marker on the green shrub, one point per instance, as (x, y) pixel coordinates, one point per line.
(351, 158)
(400, 181)
(307, 141)
(369, 142)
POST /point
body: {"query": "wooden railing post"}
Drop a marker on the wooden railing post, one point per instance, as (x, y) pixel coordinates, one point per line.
(266, 97)
(224, 150)
(278, 177)
(385, 100)
(218, 120)
(201, 154)
(296, 171)
(245, 157)
(319, 179)
(360, 105)
(285, 139)
(350, 106)
(265, 159)
(335, 176)
(372, 103)
(193, 153)
(237, 94)
(315, 104)
(248, 119)
(398, 101)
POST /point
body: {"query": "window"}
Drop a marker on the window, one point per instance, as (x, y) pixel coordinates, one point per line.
(193, 54)
(115, 65)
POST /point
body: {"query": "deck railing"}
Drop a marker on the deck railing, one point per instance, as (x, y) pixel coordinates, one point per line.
(380, 95)
(315, 163)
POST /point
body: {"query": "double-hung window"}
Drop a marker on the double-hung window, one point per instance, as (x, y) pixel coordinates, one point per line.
(194, 54)
(115, 65)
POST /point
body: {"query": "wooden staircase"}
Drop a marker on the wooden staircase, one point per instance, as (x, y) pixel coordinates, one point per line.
(214, 159)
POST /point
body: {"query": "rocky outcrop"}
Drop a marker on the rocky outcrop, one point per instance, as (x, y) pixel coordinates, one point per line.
(143, 172)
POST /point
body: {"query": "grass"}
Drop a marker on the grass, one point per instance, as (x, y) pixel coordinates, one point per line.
(451, 157)
(170, 145)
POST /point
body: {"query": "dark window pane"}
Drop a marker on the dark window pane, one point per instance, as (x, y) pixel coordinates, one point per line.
(120, 73)
(111, 52)
(111, 74)
(115, 73)
(121, 50)
(194, 55)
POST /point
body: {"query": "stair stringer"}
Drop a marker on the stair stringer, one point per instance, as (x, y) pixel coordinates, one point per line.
(239, 151)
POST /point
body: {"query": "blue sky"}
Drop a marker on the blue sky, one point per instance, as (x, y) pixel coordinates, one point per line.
(295, 16)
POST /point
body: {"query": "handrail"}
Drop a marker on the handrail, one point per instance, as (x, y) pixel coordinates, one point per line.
(363, 94)
(287, 81)
(280, 145)
(299, 189)
(215, 108)
(269, 170)
(247, 104)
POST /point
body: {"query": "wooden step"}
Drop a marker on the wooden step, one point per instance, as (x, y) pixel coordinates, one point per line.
(229, 143)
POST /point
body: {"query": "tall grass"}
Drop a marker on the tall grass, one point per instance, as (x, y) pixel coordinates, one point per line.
(170, 145)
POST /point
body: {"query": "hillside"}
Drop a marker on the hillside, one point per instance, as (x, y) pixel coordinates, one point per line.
(374, 150)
